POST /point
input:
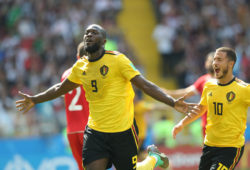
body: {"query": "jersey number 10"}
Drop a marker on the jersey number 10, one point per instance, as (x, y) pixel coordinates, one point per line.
(218, 108)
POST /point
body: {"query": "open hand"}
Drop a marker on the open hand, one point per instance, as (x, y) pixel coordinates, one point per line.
(25, 104)
(176, 129)
(189, 109)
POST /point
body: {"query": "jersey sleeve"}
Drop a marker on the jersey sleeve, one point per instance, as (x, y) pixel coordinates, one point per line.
(203, 100)
(75, 73)
(248, 95)
(126, 67)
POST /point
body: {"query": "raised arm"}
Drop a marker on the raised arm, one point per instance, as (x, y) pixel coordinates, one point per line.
(188, 119)
(157, 93)
(53, 92)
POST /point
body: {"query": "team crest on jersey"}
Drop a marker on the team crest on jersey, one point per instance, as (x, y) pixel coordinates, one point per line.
(104, 70)
(230, 96)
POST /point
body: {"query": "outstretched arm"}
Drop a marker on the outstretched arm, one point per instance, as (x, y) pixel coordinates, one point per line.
(152, 90)
(187, 120)
(53, 92)
(189, 92)
(157, 93)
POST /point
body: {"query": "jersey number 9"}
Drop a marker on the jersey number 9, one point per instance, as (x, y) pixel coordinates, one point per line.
(94, 85)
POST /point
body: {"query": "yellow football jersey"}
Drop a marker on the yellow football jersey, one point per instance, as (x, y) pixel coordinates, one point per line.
(227, 112)
(108, 90)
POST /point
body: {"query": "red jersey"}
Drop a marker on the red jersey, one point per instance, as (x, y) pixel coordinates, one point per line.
(77, 108)
(200, 82)
(199, 85)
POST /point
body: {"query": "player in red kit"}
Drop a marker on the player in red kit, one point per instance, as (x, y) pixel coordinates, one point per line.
(77, 113)
(197, 88)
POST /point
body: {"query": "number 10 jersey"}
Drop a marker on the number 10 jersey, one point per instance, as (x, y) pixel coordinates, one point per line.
(227, 106)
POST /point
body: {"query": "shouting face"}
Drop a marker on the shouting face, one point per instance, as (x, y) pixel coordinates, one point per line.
(220, 64)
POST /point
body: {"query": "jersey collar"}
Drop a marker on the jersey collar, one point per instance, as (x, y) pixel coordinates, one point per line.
(226, 83)
(98, 57)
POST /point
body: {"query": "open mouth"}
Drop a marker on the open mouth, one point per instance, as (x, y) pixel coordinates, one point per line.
(217, 70)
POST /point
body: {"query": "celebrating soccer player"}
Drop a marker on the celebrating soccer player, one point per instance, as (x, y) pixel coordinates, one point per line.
(111, 135)
(226, 99)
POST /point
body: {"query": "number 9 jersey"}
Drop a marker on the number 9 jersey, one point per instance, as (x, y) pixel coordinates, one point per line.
(227, 106)
(108, 90)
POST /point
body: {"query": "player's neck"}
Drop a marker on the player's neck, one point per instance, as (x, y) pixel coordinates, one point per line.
(96, 55)
(226, 79)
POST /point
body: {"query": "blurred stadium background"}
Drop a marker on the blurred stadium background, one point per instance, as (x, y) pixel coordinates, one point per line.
(166, 39)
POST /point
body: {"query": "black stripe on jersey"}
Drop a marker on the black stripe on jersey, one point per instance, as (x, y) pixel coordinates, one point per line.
(227, 83)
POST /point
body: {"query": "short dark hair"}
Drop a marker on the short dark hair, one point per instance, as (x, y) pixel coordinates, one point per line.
(231, 55)
(100, 28)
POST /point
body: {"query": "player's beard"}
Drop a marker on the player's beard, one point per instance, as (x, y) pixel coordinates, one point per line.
(224, 73)
(93, 48)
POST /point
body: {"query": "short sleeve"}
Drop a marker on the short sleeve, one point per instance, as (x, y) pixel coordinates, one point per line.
(203, 100)
(126, 67)
(75, 73)
(247, 100)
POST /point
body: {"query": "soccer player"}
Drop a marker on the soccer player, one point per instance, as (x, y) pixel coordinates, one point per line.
(106, 76)
(226, 99)
(77, 113)
(197, 88)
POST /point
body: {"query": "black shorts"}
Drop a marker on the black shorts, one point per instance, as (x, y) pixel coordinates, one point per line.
(221, 158)
(120, 148)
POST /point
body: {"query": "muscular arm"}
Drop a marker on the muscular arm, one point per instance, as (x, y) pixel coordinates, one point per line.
(152, 90)
(54, 91)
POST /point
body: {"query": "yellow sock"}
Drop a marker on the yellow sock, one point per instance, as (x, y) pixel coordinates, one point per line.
(147, 164)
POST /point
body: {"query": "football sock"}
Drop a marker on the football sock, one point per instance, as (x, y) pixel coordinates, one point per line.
(147, 164)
